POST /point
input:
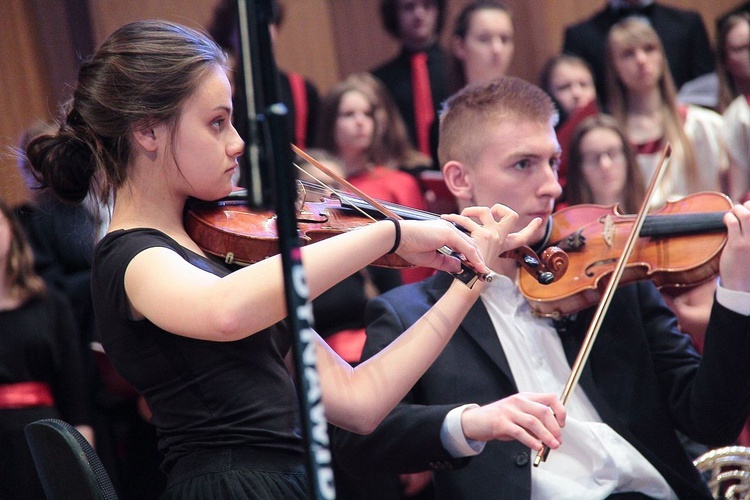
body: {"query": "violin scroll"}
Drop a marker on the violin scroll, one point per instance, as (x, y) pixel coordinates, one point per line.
(556, 261)
(547, 269)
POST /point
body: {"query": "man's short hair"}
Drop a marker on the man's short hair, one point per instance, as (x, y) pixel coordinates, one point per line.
(475, 106)
(389, 16)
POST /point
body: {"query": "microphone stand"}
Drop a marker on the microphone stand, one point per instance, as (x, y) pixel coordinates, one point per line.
(270, 179)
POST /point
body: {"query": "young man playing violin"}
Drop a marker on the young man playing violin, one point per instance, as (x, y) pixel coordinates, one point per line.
(642, 382)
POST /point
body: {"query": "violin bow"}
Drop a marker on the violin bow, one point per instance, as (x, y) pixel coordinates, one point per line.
(609, 292)
(467, 276)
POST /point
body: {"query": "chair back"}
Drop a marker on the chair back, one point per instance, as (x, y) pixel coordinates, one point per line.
(68, 467)
(727, 471)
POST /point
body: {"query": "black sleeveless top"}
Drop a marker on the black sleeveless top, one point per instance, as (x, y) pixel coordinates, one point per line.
(203, 395)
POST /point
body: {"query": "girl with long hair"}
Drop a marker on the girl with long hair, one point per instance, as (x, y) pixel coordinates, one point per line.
(641, 96)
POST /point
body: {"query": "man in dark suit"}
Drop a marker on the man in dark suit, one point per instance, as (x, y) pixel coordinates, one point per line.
(416, 24)
(642, 382)
(682, 33)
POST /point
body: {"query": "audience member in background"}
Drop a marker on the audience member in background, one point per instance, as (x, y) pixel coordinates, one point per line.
(352, 116)
(349, 129)
(641, 97)
(298, 93)
(41, 371)
(419, 76)
(733, 57)
(568, 79)
(482, 42)
(603, 169)
(62, 237)
(682, 32)
(392, 146)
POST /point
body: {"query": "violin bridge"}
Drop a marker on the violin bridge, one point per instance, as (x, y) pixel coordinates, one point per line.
(299, 202)
(608, 231)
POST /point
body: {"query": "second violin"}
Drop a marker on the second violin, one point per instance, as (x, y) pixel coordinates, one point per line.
(679, 246)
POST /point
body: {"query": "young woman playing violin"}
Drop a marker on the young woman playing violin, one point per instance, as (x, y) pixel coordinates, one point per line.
(150, 120)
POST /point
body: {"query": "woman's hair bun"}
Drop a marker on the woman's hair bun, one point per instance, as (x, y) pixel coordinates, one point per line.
(64, 163)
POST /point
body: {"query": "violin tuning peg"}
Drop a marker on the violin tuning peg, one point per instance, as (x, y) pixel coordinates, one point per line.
(545, 278)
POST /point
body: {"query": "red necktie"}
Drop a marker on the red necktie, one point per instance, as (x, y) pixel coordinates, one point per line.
(424, 112)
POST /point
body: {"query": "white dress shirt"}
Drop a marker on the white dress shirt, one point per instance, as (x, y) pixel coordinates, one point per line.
(593, 461)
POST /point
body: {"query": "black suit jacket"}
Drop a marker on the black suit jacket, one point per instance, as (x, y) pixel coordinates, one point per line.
(681, 31)
(643, 377)
(396, 75)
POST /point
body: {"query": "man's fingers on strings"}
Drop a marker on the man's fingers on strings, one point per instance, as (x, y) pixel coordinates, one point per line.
(742, 213)
(463, 221)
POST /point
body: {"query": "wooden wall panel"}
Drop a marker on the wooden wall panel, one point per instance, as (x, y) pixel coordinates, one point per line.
(305, 42)
(108, 15)
(25, 88)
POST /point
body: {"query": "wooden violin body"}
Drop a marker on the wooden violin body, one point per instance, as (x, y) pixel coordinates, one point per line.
(240, 235)
(679, 246)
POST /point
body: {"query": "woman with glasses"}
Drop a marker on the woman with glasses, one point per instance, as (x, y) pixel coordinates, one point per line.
(603, 169)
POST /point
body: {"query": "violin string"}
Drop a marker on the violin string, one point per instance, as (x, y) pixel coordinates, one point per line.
(357, 203)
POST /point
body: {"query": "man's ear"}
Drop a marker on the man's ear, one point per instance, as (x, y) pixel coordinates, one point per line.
(458, 48)
(146, 137)
(458, 180)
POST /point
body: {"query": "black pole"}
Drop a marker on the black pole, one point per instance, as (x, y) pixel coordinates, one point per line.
(271, 179)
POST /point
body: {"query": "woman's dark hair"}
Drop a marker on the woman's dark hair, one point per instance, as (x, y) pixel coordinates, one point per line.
(139, 77)
(23, 282)
(389, 16)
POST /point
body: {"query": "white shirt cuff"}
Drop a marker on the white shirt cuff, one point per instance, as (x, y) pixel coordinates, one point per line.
(733, 300)
(452, 435)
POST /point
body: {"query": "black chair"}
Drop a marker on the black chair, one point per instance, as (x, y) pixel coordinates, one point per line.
(68, 466)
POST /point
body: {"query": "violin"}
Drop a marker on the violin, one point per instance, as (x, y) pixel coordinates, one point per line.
(229, 229)
(679, 246)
